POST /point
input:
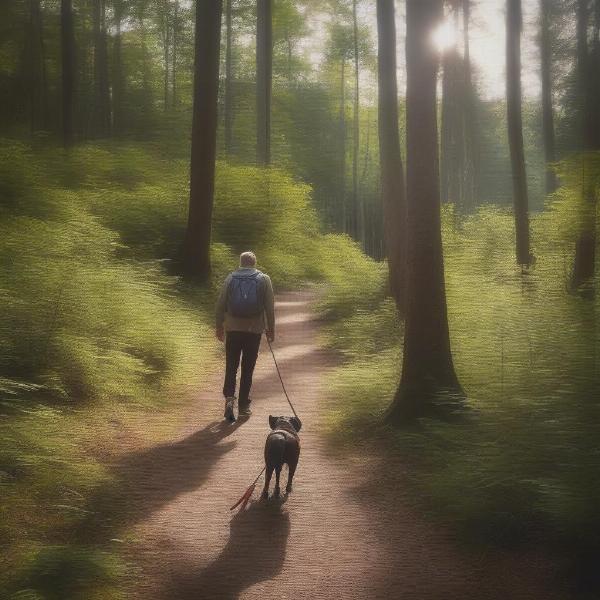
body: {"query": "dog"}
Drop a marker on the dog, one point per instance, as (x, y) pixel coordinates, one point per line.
(282, 447)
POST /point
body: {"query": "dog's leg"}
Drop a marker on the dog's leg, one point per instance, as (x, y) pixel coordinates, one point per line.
(277, 474)
(268, 475)
(292, 470)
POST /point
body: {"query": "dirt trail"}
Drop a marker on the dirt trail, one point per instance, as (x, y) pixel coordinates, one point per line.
(331, 539)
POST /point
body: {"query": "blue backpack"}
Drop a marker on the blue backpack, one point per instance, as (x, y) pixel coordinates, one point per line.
(244, 295)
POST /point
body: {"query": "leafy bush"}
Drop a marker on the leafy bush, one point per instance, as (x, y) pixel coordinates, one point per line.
(526, 352)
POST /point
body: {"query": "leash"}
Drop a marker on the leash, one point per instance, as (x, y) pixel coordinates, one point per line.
(281, 380)
(243, 501)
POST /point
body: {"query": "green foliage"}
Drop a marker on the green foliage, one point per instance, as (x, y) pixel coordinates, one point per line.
(526, 352)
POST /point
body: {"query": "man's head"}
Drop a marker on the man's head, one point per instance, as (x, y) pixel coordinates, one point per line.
(247, 259)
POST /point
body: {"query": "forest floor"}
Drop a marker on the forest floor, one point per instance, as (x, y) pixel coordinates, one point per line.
(344, 532)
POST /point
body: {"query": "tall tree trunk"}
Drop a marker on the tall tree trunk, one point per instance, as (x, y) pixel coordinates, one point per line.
(452, 138)
(67, 39)
(345, 226)
(515, 129)
(228, 108)
(264, 70)
(547, 111)
(392, 176)
(358, 226)
(36, 66)
(428, 378)
(118, 80)
(204, 138)
(174, 97)
(471, 124)
(166, 34)
(584, 266)
(101, 84)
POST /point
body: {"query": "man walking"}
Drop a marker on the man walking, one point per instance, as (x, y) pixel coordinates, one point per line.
(246, 308)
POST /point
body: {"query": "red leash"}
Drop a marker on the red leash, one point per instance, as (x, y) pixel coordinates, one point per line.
(247, 494)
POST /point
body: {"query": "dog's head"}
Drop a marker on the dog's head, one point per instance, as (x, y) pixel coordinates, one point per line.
(277, 422)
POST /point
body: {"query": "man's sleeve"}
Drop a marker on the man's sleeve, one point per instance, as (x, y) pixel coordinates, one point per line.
(269, 304)
(222, 303)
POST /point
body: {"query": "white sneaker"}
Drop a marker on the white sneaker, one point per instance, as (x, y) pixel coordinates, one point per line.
(229, 409)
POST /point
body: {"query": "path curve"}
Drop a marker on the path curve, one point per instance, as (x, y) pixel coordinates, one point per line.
(331, 539)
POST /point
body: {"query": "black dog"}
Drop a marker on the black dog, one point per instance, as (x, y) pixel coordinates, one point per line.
(282, 446)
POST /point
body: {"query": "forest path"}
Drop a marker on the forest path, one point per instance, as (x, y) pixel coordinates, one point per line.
(334, 537)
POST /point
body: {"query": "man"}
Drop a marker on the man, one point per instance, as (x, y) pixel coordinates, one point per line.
(246, 308)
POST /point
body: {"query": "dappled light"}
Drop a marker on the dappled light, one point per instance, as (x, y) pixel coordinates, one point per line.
(335, 259)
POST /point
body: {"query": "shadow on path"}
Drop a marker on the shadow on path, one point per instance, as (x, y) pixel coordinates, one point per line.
(255, 552)
(146, 480)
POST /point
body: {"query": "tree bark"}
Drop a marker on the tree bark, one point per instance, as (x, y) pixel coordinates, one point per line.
(102, 114)
(345, 225)
(515, 130)
(228, 108)
(174, 90)
(118, 82)
(471, 124)
(166, 52)
(392, 176)
(67, 39)
(584, 266)
(358, 225)
(36, 65)
(428, 384)
(204, 138)
(547, 110)
(264, 70)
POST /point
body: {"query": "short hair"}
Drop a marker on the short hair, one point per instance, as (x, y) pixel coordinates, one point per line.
(247, 259)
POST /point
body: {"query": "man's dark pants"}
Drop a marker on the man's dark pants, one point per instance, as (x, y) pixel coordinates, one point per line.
(244, 344)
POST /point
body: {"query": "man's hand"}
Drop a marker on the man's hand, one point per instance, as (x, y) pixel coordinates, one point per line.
(220, 333)
(270, 336)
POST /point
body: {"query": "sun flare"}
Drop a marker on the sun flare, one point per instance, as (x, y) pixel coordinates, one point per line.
(444, 36)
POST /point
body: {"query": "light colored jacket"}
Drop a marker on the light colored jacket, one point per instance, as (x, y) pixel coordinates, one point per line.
(256, 324)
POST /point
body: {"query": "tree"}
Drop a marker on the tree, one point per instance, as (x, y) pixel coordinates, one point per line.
(584, 265)
(459, 136)
(36, 68)
(515, 129)
(358, 209)
(547, 110)
(102, 113)
(264, 69)
(204, 138)
(428, 375)
(392, 176)
(67, 39)
(228, 104)
(118, 88)
(470, 120)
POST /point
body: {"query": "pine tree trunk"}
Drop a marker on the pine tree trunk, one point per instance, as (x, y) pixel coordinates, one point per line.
(101, 84)
(118, 83)
(547, 110)
(264, 69)
(584, 266)
(67, 38)
(228, 108)
(428, 384)
(358, 225)
(166, 52)
(345, 225)
(174, 97)
(204, 138)
(515, 130)
(471, 125)
(392, 176)
(37, 81)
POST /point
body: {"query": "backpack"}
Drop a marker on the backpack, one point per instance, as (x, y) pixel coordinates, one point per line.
(244, 295)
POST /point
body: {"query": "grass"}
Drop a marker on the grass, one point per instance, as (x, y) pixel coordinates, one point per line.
(522, 467)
